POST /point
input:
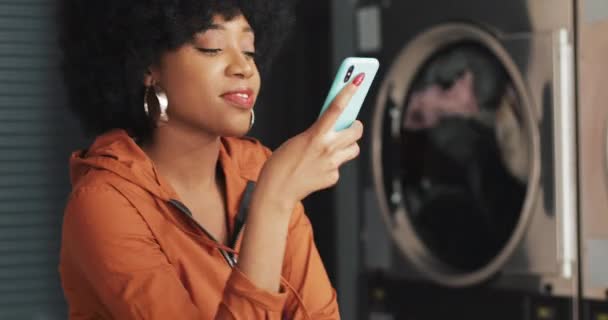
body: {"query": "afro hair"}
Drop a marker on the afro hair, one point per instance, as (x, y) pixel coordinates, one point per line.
(108, 45)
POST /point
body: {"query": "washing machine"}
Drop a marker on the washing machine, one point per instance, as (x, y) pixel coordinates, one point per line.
(470, 175)
(593, 156)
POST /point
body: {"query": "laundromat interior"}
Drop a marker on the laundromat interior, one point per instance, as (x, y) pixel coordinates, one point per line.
(480, 191)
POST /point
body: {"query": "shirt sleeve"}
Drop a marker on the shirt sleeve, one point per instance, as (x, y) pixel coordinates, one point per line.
(304, 270)
(243, 300)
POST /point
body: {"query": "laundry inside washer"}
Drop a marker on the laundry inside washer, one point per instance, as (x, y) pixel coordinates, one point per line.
(463, 162)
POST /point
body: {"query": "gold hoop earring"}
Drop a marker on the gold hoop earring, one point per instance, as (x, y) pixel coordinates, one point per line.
(252, 121)
(158, 107)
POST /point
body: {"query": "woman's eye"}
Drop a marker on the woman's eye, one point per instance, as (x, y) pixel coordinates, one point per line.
(211, 52)
(250, 54)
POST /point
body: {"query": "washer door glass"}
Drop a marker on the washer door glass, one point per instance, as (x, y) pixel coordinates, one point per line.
(464, 155)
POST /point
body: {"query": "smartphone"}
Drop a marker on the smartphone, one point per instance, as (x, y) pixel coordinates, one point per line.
(348, 70)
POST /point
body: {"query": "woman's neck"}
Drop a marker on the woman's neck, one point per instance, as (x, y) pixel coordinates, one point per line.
(187, 160)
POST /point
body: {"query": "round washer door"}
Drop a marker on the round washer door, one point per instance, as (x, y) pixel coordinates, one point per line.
(455, 154)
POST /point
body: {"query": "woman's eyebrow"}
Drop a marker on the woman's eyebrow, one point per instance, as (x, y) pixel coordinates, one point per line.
(216, 26)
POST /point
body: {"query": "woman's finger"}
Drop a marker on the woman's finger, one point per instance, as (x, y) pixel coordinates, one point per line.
(346, 137)
(346, 154)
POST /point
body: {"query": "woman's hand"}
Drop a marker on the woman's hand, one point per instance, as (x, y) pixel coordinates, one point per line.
(305, 163)
(311, 160)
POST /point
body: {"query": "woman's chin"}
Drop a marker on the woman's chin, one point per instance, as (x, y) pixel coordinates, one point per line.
(236, 131)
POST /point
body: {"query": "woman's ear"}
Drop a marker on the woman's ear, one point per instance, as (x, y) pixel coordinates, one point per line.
(150, 77)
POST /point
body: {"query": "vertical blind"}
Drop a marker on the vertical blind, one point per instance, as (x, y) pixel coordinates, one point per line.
(36, 136)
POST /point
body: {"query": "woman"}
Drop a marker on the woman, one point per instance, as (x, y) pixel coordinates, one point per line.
(153, 228)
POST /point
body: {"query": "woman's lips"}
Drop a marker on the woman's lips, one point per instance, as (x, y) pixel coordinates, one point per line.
(239, 98)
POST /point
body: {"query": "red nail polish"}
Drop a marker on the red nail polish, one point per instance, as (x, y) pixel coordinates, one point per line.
(359, 79)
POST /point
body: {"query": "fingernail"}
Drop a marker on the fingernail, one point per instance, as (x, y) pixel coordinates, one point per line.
(358, 79)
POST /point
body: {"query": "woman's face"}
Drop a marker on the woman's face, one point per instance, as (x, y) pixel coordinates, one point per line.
(213, 82)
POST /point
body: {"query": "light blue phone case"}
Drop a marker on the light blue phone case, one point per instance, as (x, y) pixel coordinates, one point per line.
(367, 65)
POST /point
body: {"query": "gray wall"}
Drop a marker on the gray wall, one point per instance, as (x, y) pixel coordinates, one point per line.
(36, 135)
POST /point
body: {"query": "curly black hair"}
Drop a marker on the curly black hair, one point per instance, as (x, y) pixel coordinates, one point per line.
(108, 45)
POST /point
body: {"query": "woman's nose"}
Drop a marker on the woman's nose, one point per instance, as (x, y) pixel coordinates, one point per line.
(240, 65)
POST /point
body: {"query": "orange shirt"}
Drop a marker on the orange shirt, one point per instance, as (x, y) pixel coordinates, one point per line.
(128, 252)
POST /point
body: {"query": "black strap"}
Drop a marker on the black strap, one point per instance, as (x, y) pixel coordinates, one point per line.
(241, 216)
